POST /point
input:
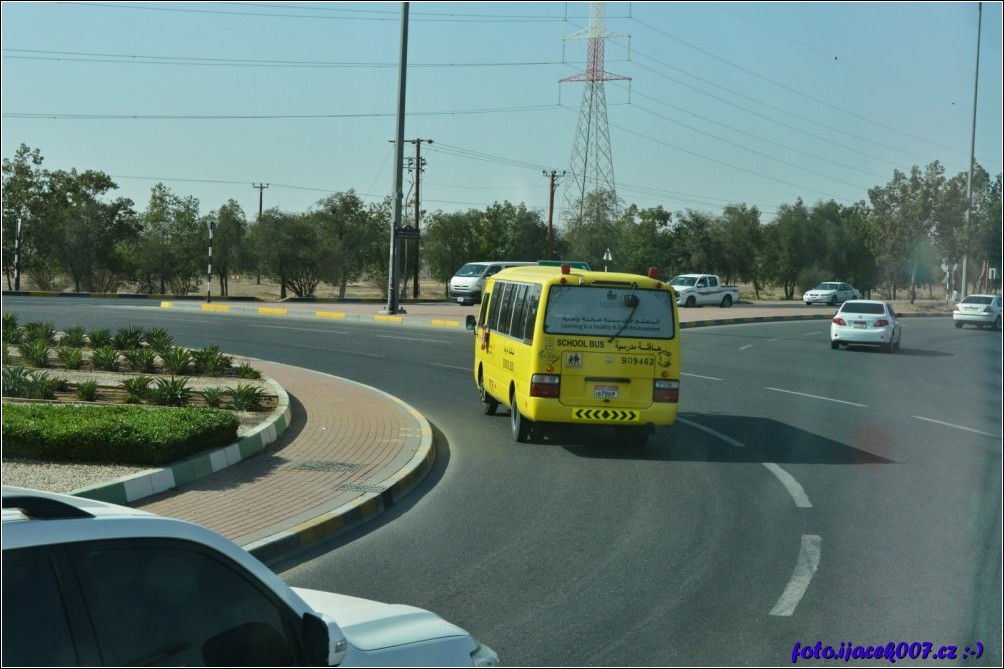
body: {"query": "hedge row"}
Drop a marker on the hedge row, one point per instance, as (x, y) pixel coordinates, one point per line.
(127, 435)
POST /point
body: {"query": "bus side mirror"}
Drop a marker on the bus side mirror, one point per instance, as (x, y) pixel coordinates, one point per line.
(470, 322)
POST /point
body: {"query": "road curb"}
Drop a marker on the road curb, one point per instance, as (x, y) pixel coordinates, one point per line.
(153, 481)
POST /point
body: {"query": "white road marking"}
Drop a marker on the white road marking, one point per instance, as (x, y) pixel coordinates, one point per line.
(957, 427)
(816, 397)
(793, 487)
(743, 348)
(439, 364)
(283, 327)
(698, 376)
(434, 341)
(718, 435)
(808, 561)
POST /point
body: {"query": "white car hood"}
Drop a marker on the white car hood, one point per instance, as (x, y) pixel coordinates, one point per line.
(373, 626)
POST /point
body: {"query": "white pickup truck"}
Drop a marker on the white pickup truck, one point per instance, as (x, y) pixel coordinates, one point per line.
(698, 290)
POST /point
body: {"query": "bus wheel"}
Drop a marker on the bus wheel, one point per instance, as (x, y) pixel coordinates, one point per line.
(488, 403)
(519, 424)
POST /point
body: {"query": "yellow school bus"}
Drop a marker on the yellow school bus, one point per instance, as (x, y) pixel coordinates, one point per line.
(564, 345)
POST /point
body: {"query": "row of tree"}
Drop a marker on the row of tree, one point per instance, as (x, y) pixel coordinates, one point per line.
(63, 228)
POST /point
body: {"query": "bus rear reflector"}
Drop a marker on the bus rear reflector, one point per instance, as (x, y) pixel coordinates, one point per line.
(666, 390)
(545, 385)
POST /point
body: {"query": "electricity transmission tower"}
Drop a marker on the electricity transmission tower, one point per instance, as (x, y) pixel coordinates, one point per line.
(592, 166)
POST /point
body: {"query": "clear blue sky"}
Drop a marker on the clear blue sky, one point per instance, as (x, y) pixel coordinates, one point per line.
(755, 103)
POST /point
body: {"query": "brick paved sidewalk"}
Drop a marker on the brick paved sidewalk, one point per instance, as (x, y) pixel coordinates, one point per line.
(350, 451)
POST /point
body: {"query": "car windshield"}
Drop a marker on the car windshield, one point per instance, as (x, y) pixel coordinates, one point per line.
(828, 286)
(588, 310)
(471, 269)
(863, 308)
(683, 281)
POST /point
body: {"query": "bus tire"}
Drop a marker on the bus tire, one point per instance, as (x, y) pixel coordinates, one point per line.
(520, 425)
(488, 403)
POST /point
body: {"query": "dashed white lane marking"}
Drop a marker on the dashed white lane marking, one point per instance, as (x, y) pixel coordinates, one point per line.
(718, 435)
(743, 348)
(434, 341)
(957, 427)
(698, 376)
(793, 487)
(462, 369)
(816, 397)
(805, 567)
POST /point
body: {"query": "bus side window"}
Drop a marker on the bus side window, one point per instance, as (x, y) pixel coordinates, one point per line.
(493, 310)
(532, 304)
(505, 310)
(483, 315)
(518, 307)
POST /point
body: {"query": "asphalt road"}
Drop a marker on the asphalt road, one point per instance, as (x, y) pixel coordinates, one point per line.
(804, 495)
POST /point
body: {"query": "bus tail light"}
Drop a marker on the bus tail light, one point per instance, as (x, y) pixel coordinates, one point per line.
(666, 390)
(545, 385)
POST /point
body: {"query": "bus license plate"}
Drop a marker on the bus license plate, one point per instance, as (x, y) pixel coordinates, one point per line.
(605, 392)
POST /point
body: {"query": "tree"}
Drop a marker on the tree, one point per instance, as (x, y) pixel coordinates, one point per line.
(739, 235)
(173, 246)
(85, 235)
(641, 239)
(590, 234)
(23, 184)
(230, 228)
(450, 241)
(787, 246)
(353, 236)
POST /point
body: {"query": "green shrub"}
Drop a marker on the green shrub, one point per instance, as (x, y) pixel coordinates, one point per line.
(173, 392)
(137, 388)
(213, 397)
(145, 436)
(15, 381)
(38, 331)
(105, 359)
(11, 331)
(246, 397)
(71, 358)
(35, 352)
(74, 337)
(41, 386)
(246, 371)
(176, 360)
(87, 390)
(141, 359)
(159, 340)
(210, 361)
(100, 338)
(128, 338)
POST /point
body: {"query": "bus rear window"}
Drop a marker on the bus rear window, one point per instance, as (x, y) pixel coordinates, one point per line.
(602, 312)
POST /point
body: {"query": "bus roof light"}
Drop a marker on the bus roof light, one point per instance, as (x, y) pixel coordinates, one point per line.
(566, 268)
(653, 272)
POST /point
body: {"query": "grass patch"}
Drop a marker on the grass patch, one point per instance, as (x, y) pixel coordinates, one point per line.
(128, 435)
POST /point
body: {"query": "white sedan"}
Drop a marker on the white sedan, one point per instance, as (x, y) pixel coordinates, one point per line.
(978, 310)
(868, 323)
(831, 292)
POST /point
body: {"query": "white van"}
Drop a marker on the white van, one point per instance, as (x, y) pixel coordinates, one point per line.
(468, 284)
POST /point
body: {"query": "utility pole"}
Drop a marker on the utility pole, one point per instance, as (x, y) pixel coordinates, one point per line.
(972, 159)
(393, 306)
(419, 165)
(552, 175)
(261, 191)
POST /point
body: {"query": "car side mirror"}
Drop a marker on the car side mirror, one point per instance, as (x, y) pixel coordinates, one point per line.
(323, 640)
(470, 322)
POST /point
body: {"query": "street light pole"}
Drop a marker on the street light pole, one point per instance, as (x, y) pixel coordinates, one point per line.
(392, 297)
(17, 255)
(209, 270)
